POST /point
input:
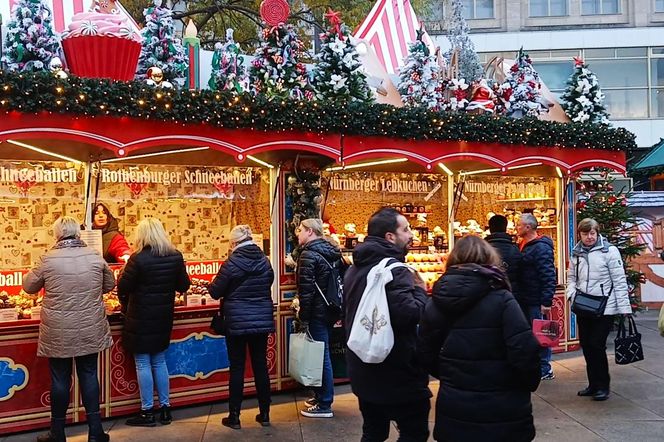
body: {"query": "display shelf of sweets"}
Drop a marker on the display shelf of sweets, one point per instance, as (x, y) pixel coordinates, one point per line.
(198, 294)
(19, 306)
(112, 302)
(428, 265)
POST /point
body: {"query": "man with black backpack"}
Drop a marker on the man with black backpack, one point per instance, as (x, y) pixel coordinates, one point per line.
(319, 295)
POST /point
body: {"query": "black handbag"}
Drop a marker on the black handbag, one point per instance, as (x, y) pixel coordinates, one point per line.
(218, 323)
(586, 305)
(628, 347)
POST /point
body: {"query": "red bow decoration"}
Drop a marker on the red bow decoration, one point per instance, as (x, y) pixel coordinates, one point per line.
(136, 188)
(334, 18)
(578, 61)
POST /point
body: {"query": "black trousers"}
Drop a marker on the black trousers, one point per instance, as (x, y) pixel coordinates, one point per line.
(593, 333)
(237, 355)
(412, 420)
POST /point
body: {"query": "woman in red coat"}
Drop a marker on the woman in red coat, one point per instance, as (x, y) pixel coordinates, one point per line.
(115, 245)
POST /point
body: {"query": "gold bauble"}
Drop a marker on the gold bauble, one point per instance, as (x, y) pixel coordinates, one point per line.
(156, 74)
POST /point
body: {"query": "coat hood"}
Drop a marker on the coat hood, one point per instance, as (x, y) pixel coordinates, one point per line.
(323, 247)
(374, 249)
(500, 237)
(249, 258)
(462, 286)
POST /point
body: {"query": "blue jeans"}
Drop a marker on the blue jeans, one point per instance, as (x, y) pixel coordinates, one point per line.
(324, 394)
(150, 370)
(535, 312)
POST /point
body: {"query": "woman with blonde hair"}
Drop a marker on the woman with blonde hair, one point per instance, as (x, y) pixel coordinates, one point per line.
(73, 323)
(146, 290)
(244, 282)
(474, 337)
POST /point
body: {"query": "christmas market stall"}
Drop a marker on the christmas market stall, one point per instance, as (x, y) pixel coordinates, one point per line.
(256, 148)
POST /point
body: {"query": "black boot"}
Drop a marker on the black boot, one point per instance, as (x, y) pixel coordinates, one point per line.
(57, 432)
(588, 391)
(101, 437)
(165, 415)
(95, 430)
(232, 421)
(601, 395)
(50, 437)
(263, 418)
(144, 419)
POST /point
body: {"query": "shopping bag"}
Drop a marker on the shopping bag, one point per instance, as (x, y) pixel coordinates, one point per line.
(338, 351)
(628, 346)
(305, 360)
(660, 322)
(547, 332)
(371, 337)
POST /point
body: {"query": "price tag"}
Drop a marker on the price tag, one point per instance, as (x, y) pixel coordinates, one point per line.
(36, 313)
(8, 314)
(209, 300)
(194, 300)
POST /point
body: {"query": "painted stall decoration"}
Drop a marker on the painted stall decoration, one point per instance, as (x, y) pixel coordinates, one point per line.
(649, 207)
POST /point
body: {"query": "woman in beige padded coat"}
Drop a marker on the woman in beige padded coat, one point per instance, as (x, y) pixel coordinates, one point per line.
(73, 323)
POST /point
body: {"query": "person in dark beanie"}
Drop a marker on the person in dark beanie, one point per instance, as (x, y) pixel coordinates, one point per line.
(397, 388)
(507, 249)
(474, 338)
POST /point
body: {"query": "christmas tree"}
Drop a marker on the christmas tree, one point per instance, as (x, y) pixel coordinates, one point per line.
(470, 68)
(600, 201)
(30, 42)
(276, 71)
(228, 72)
(523, 87)
(160, 47)
(583, 99)
(419, 77)
(339, 74)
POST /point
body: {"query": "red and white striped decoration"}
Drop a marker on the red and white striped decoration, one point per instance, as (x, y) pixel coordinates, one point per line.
(389, 28)
(63, 11)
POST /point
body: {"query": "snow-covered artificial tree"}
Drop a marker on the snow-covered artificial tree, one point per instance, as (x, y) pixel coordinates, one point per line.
(522, 89)
(276, 72)
(338, 73)
(470, 68)
(30, 43)
(583, 100)
(419, 77)
(228, 72)
(160, 46)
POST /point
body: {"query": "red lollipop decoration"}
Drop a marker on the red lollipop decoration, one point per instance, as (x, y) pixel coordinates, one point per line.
(274, 12)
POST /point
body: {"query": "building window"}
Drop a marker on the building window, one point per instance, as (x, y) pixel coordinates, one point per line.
(597, 7)
(659, 5)
(477, 9)
(548, 8)
(554, 74)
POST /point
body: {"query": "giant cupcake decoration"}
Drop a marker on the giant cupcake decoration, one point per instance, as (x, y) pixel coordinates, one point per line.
(102, 43)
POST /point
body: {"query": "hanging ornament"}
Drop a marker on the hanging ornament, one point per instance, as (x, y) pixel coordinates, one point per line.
(55, 65)
(136, 188)
(274, 12)
(156, 78)
(612, 200)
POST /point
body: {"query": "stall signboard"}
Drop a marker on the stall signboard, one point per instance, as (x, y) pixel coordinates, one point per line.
(379, 184)
(205, 270)
(11, 281)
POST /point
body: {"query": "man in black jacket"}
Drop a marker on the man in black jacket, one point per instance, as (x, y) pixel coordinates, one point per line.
(397, 388)
(509, 252)
(538, 279)
(313, 272)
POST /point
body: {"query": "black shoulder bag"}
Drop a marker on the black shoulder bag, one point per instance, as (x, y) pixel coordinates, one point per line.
(586, 305)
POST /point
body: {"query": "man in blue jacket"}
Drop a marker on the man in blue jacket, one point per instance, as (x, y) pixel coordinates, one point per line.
(538, 279)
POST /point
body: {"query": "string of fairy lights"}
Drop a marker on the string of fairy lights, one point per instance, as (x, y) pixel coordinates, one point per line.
(43, 92)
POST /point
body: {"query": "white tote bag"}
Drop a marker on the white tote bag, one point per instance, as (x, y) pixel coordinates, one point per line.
(371, 337)
(305, 359)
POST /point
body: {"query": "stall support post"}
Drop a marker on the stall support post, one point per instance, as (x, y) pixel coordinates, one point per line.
(275, 230)
(450, 208)
(560, 229)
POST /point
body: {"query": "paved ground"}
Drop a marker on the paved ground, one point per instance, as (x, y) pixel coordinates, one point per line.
(635, 410)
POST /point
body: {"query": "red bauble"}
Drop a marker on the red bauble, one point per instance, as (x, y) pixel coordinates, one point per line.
(581, 205)
(612, 200)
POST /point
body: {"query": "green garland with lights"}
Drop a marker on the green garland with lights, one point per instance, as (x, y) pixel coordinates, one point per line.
(43, 92)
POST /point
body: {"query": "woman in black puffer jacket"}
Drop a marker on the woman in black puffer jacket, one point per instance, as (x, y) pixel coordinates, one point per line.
(146, 290)
(244, 282)
(474, 338)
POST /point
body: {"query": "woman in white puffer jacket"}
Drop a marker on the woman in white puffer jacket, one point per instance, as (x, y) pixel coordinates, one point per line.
(596, 268)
